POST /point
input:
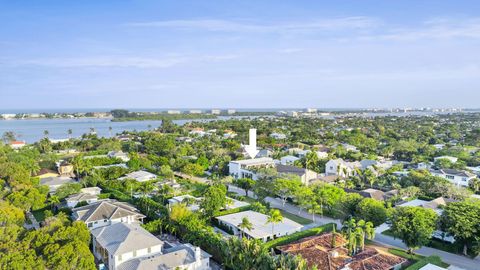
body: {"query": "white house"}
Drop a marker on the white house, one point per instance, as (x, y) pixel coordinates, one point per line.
(55, 182)
(198, 132)
(288, 160)
(449, 158)
(261, 228)
(74, 199)
(192, 202)
(435, 205)
(17, 144)
(121, 242)
(341, 168)
(457, 177)
(184, 256)
(245, 168)
(91, 190)
(278, 136)
(140, 176)
(107, 212)
(118, 154)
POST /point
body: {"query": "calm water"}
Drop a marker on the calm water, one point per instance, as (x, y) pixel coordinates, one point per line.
(32, 130)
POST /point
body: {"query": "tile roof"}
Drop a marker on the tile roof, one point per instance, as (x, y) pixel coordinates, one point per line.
(120, 238)
(318, 251)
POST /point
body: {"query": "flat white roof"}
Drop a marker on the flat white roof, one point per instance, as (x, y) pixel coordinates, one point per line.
(254, 161)
(415, 202)
(236, 204)
(139, 176)
(432, 267)
(261, 228)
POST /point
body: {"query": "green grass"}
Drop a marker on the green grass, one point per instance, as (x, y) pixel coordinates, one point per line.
(40, 214)
(299, 235)
(432, 259)
(404, 254)
(438, 244)
(295, 218)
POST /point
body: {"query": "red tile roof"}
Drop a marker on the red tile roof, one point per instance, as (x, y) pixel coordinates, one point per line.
(318, 251)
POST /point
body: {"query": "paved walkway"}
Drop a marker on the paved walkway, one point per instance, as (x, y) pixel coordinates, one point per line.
(450, 258)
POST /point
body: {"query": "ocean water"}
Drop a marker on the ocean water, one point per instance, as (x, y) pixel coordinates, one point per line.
(30, 130)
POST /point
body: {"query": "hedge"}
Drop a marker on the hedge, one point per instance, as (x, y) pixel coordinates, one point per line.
(233, 211)
(299, 235)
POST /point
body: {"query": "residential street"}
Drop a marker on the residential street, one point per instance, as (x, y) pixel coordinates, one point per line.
(452, 259)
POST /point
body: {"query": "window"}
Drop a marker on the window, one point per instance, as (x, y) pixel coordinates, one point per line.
(464, 179)
(104, 220)
(90, 224)
(451, 177)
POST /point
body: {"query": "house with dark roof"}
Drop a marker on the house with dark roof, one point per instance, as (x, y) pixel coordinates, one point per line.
(107, 212)
(457, 177)
(326, 253)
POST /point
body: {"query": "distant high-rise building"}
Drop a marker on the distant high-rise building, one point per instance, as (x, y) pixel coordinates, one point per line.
(195, 111)
(215, 111)
(231, 111)
(311, 110)
(173, 112)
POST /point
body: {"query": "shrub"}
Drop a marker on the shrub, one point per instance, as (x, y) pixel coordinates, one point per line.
(299, 235)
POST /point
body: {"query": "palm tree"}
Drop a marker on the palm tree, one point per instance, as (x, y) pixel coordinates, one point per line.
(92, 130)
(274, 217)
(149, 127)
(45, 133)
(69, 132)
(110, 131)
(146, 187)
(245, 225)
(9, 136)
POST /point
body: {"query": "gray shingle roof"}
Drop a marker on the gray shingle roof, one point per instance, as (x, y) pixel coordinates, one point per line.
(105, 210)
(120, 238)
(179, 256)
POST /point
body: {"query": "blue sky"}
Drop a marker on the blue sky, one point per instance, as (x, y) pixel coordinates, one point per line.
(243, 54)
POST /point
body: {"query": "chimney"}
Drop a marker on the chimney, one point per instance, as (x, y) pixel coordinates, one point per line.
(198, 254)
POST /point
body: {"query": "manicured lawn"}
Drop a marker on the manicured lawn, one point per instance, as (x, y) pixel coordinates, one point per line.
(299, 235)
(438, 244)
(435, 260)
(295, 218)
(417, 261)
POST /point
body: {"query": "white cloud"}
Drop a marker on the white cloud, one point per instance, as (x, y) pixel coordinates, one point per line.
(216, 25)
(434, 29)
(118, 61)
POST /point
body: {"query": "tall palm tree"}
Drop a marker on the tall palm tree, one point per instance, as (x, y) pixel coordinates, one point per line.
(9, 136)
(92, 130)
(69, 132)
(110, 131)
(245, 225)
(274, 217)
(46, 133)
(146, 187)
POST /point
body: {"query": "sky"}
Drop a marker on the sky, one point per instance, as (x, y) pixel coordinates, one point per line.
(239, 54)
